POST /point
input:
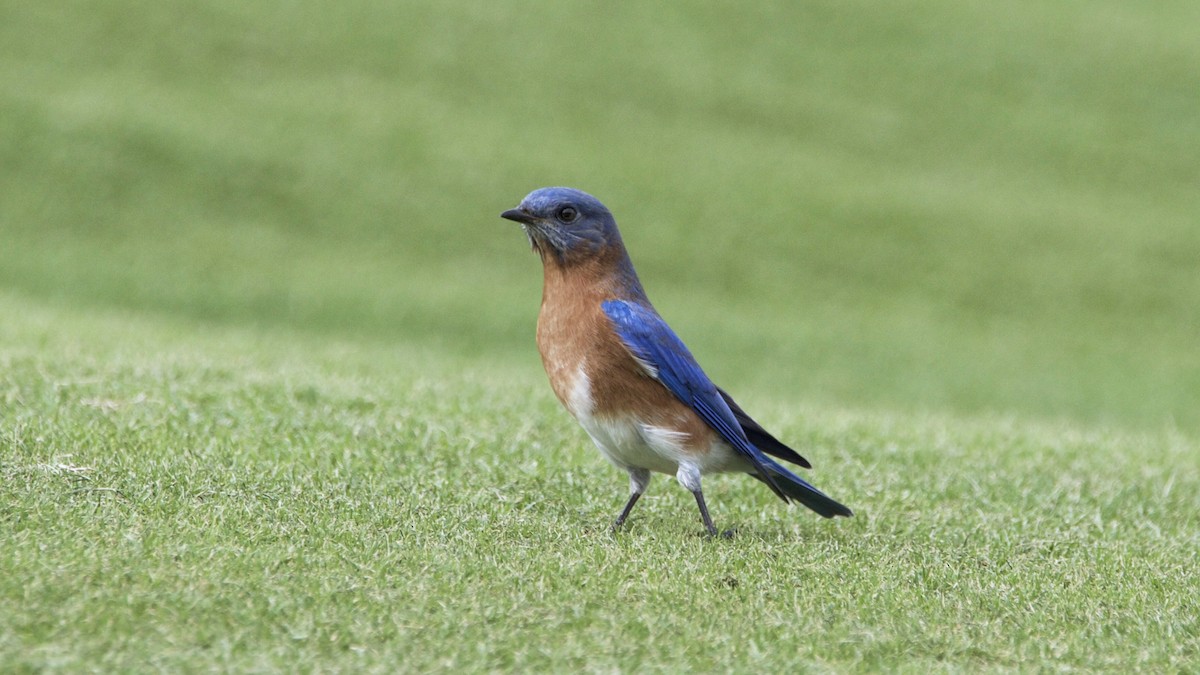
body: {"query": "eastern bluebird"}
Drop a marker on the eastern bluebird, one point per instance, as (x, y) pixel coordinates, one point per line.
(625, 376)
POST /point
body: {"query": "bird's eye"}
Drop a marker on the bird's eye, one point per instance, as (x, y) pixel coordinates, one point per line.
(567, 214)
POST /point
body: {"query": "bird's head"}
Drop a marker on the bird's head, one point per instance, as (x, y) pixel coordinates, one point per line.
(566, 226)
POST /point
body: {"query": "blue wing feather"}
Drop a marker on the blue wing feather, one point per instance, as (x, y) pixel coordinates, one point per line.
(664, 356)
(650, 340)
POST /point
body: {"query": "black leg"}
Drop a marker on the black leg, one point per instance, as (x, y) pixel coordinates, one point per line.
(708, 524)
(638, 480)
(633, 497)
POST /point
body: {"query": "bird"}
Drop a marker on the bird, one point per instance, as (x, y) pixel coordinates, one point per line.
(626, 377)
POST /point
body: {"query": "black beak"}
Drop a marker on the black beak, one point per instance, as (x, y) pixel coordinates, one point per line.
(518, 215)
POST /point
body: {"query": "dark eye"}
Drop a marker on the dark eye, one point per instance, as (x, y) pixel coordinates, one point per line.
(567, 214)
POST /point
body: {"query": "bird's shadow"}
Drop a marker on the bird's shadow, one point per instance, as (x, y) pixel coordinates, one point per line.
(780, 535)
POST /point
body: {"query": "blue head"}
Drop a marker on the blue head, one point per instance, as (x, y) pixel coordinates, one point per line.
(566, 226)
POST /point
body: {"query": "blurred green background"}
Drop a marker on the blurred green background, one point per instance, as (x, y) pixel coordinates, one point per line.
(963, 206)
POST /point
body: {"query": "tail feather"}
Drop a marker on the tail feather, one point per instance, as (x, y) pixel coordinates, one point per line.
(760, 437)
(798, 489)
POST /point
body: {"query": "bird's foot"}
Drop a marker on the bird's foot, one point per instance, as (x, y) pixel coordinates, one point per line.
(714, 533)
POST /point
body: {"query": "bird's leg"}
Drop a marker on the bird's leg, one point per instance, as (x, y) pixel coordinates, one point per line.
(708, 523)
(638, 480)
(688, 476)
(633, 497)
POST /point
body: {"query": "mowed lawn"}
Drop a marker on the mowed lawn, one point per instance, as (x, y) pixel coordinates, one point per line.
(269, 399)
(254, 500)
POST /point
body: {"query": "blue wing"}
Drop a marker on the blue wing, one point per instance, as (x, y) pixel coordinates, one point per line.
(664, 356)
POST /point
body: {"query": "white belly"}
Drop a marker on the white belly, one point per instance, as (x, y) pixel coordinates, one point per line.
(631, 443)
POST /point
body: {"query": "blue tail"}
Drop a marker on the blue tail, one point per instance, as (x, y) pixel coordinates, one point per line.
(796, 488)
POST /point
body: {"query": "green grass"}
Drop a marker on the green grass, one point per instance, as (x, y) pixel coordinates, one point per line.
(269, 398)
(257, 500)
